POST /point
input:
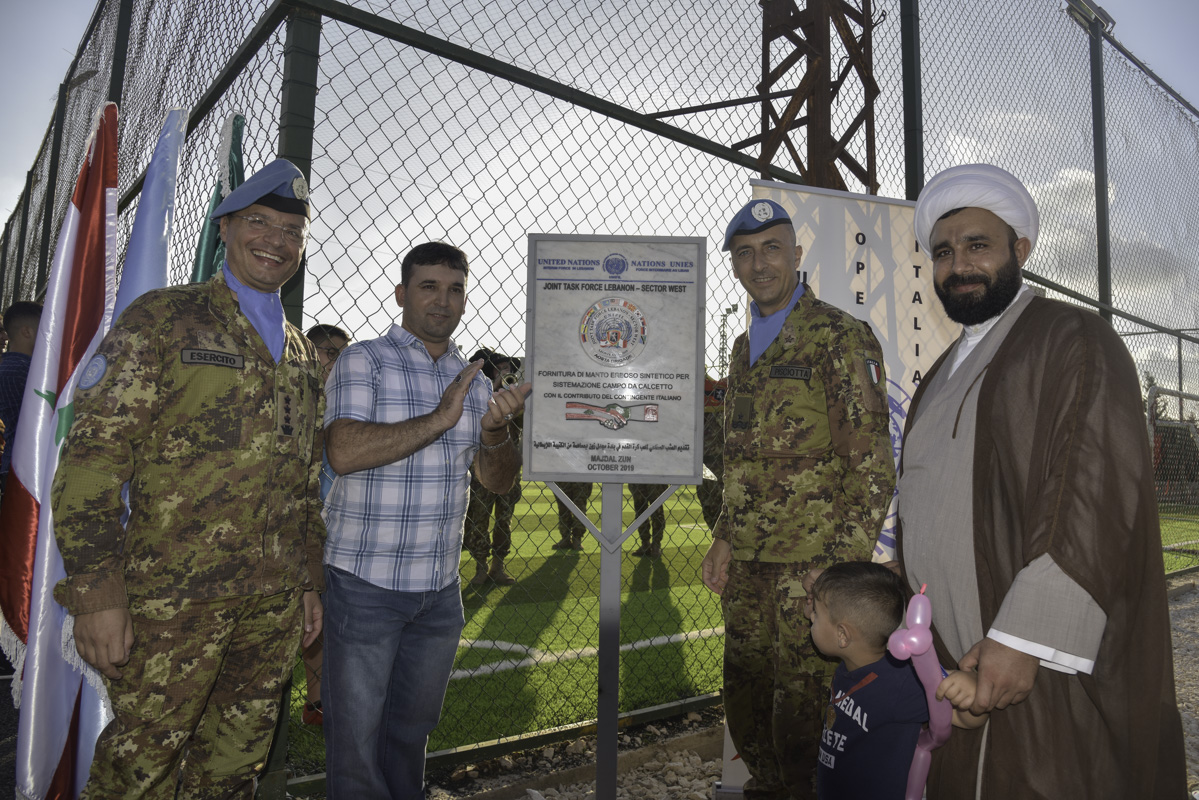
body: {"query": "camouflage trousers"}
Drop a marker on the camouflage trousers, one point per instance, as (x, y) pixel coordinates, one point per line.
(569, 526)
(775, 681)
(478, 516)
(711, 498)
(202, 689)
(643, 494)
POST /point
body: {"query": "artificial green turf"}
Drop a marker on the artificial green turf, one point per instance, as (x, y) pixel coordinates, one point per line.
(553, 611)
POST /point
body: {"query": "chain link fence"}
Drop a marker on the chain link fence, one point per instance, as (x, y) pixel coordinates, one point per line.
(1175, 445)
(480, 122)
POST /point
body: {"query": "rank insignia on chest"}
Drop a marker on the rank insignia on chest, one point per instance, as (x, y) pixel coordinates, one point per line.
(287, 428)
(743, 412)
(875, 370)
(830, 719)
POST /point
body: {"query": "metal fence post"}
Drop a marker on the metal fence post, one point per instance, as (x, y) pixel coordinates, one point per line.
(26, 199)
(1102, 212)
(120, 50)
(297, 121)
(5, 263)
(913, 105)
(60, 114)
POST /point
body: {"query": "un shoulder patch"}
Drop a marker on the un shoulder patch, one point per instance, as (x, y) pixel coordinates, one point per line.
(93, 373)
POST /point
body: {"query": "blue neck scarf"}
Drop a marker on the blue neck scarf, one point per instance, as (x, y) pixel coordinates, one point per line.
(764, 330)
(263, 309)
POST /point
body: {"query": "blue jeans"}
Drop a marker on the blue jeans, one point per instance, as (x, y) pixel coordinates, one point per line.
(388, 657)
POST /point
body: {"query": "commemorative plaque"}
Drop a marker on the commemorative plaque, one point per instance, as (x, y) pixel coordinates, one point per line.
(615, 344)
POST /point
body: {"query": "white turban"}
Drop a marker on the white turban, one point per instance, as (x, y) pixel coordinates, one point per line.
(977, 186)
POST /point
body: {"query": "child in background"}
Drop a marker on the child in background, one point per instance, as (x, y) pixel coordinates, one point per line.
(877, 704)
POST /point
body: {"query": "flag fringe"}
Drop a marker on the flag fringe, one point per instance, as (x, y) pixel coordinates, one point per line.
(70, 654)
(14, 650)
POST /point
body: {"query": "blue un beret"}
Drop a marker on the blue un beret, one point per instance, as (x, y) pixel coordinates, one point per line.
(279, 185)
(754, 216)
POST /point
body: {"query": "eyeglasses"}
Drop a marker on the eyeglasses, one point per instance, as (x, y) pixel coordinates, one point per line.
(291, 234)
(330, 352)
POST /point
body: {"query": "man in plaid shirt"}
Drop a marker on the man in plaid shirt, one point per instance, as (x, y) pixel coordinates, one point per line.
(407, 417)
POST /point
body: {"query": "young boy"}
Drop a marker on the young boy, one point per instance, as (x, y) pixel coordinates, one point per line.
(877, 704)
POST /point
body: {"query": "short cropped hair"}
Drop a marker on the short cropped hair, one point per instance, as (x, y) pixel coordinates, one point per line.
(325, 333)
(431, 253)
(22, 312)
(868, 596)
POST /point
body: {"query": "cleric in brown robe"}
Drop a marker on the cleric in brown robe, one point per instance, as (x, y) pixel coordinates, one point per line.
(1026, 503)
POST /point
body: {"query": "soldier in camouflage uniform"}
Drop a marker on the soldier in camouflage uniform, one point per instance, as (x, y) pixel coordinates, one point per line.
(652, 529)
(498, 544)
(209, 405)
(570, 528)
(808, 478)
(711, 491)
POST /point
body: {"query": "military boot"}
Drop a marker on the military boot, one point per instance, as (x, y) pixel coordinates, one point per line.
(480, 574)
(498, 574)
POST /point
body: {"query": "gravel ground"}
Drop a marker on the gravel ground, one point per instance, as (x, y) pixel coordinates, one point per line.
(1184, 620)
(653, 763)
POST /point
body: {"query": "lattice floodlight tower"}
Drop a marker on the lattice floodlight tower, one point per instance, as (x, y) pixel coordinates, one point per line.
(827, 44)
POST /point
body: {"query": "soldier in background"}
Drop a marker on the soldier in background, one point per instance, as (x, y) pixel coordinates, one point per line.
(652, 529)
(808, 478)
(498, 544)
(570, 527)
(711, 490)
(329, 341)
(209, 404)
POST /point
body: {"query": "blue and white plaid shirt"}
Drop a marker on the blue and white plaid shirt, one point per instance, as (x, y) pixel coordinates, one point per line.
(399, 526)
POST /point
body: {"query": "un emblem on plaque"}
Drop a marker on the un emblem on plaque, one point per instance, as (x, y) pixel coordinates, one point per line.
(615, 265)
(613, 332)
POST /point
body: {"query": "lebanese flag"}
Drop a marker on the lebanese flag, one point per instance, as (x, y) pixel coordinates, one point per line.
(61, 715)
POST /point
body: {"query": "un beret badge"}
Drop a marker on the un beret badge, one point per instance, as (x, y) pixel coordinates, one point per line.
(299, 187)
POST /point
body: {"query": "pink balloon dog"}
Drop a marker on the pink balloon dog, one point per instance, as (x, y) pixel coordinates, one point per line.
(916, 642)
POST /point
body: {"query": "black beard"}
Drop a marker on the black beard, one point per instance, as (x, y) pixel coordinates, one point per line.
(997, 295)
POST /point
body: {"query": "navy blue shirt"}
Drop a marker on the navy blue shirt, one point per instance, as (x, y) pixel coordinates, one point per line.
(876, 713)
(14, 371)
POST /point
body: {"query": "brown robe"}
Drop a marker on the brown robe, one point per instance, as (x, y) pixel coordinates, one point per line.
(1062, 466)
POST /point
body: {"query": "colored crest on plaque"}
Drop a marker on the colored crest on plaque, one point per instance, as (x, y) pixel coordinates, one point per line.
(613, 331)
